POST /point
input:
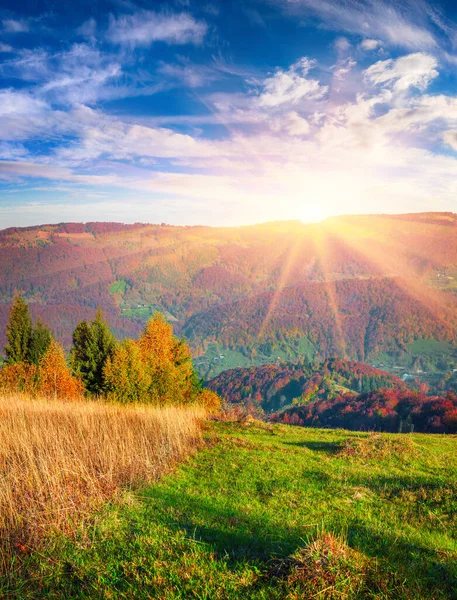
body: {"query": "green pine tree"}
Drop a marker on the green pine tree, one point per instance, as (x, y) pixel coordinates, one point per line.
(79, 359)
(40, 340)
(18, 332)
(92, 346)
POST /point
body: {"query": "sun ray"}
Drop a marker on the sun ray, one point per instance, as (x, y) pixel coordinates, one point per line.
(283, 281)
(321, 248)
(391, 259)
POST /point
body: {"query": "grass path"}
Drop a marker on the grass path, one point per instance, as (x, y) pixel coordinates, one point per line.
(229, 522)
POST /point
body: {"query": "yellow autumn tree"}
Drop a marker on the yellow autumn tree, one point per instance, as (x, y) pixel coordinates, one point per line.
(125, 374)
(55, 377)
(156, 369)
(210, 400)
(169, 362)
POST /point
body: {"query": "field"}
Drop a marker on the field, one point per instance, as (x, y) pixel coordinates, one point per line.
(59, 461)
(270, 512)
(117, 287)
(218, 358)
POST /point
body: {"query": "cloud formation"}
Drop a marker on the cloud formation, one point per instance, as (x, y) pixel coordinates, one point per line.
(291, 86)
(372, 18)
(181, 127)
(146, 27)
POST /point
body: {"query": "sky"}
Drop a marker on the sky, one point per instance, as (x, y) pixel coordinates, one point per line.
(226, 112)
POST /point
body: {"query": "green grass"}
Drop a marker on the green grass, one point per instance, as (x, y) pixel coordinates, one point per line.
(238, 522)
(211, 364)
(430, 355)
(117, 287)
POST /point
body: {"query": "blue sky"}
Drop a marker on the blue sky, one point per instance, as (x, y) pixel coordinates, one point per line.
(226, 112)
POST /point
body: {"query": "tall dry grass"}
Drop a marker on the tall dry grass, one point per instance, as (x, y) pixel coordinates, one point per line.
(60, 460)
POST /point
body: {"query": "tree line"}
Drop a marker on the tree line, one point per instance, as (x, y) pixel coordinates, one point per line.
(156, 368)
(391, 410)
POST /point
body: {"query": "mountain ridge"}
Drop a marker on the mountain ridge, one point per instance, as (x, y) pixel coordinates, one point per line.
(200, 275)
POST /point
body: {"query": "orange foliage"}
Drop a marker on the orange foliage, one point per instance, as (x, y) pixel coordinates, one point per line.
(55, 377)
(19, 377)
(211, 401)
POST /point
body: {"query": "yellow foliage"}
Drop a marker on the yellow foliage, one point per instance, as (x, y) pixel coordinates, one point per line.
(211, 401)
(156, 369)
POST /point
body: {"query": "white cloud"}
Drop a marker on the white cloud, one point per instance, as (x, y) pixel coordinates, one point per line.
(414, 70)
(145, 27)
(342, 44)
(378, 19)
(189, 74)
(290, 123)
(291, 86)
(6, 48)
(369, 45)
(344, 68)
(88, 28)
(15, 25)
(450, 138)
(78, 75)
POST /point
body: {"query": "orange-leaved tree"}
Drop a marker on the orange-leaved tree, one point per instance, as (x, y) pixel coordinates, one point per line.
(19, 377)
(55, 377)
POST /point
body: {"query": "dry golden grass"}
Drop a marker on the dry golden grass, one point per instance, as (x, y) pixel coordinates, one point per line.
(60, 460)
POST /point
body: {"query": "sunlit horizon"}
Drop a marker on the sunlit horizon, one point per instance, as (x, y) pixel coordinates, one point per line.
(196, 113)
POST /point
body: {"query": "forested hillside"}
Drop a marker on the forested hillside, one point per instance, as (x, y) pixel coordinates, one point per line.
(353, 286)
(271, 387)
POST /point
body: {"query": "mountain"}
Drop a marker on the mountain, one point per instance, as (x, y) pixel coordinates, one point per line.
(356, 286)
(273, 387)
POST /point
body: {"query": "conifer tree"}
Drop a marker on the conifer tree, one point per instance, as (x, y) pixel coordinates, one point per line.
(92, 346)
(79, 359)
(18, 332)
(40, 341)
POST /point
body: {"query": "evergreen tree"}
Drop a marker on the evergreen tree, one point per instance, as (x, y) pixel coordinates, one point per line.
(40, 341)
(18, 332)
(92, 346)
(79, 359)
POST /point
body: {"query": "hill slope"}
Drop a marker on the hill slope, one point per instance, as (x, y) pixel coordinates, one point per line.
(368, 279)
(271, 512)
(271, 387)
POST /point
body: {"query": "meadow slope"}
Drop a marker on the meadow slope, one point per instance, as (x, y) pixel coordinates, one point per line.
(60, 460)
(271, 512)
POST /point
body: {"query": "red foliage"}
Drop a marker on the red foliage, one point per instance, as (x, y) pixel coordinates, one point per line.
(384, 410)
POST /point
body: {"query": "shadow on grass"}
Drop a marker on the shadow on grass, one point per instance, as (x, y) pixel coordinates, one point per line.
(240, 537)
(392, 486)
(323, 447)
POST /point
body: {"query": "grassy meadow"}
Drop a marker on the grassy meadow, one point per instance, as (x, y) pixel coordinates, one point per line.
(268, 512)
(59, 461)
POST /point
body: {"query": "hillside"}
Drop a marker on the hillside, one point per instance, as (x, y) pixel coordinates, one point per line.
(271, 387)
(353, 318)
(269, 512)
(355, 286)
